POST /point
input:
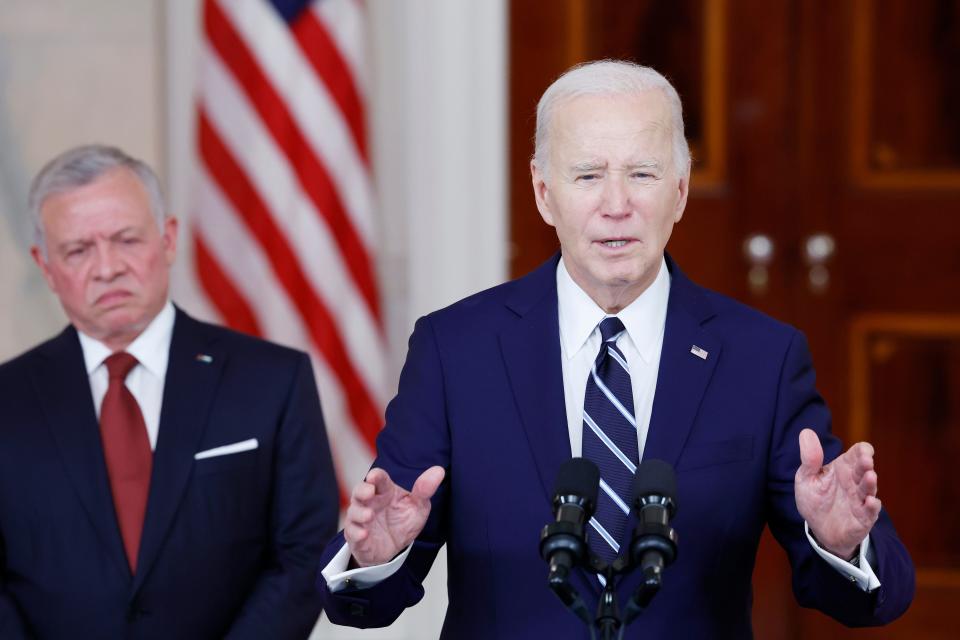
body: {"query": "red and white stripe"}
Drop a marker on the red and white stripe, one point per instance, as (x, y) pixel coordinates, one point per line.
(284, 230)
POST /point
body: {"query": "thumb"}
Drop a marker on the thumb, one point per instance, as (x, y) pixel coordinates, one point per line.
(811, 453)
(428, 482)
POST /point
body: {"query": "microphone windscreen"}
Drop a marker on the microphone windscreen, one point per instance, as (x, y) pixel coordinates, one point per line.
(655, 477)
(578, 477)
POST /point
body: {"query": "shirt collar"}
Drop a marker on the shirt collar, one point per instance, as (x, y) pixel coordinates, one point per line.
(643, 318)
(151, 348)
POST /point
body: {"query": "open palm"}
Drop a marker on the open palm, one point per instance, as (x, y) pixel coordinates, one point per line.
(838, 501)
(384, 518)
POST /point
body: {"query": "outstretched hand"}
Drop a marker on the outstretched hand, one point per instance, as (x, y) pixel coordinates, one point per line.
(383, 518)
(838, 501)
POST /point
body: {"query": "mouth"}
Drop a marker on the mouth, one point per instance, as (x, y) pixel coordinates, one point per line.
(112, 297)
(616, 243)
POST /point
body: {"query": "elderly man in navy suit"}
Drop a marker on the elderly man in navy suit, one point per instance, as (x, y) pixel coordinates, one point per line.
(159, 477)
(608, 351)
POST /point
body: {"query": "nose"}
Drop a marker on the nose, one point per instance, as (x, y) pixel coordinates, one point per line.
(616, 197)
(109, 263)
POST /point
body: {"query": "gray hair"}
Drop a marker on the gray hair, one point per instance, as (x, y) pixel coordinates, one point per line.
(81, 166)
(608, 77)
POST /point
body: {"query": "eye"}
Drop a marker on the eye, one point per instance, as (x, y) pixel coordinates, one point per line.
(76, 252)
(588, 177)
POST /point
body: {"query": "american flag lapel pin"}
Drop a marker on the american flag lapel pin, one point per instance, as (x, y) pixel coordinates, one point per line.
(204, 358)
(700, 352)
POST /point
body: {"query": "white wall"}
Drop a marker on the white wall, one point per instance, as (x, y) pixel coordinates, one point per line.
(70, 72)
(121, 72)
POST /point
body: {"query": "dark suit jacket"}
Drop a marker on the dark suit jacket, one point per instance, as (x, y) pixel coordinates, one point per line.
(230, 543)
(481, 394)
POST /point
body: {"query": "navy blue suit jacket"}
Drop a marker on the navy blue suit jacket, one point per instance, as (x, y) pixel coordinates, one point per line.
(481, 394)
(229, 544)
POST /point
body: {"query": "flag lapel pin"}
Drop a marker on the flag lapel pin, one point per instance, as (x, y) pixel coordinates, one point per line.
(699, 352)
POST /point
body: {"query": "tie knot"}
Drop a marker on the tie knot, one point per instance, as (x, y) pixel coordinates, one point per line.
(119, 365)
(610, 328)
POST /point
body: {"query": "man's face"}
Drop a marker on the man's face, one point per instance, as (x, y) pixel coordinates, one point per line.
(107, 260)
(613, 192)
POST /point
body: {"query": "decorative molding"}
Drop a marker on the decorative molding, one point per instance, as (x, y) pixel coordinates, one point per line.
(862, 329)
(713, 173)
(861, 92)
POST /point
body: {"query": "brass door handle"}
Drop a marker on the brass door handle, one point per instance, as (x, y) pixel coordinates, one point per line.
(759, 251)
(818, 250)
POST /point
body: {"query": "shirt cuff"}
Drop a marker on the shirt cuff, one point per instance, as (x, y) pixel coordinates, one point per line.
(339, 578)
(862, 575)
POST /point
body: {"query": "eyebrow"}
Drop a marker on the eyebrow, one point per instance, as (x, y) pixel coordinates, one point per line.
(78, 242)
(582, 167)
(644, 164)
(88, 241)
(121, 232)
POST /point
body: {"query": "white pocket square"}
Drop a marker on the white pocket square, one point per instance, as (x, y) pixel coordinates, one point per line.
(227, 449)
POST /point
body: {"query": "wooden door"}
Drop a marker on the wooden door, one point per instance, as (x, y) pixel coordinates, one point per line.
(829, 133)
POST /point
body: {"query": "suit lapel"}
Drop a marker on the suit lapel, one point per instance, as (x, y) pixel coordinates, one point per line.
(61, 381)
(187, 395)
(531, 351)
(683, 376)
(681, 383)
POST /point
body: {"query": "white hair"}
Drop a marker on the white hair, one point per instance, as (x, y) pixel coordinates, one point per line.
(608, 77)
(81, 166)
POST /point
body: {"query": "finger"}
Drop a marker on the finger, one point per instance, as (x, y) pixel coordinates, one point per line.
(864, 449)
(428, 482)
(354, 535)
(868, 485)
(872, 505)
(860, 458)
(360, 515)
(862, 453)
(362, 493)
(811, 453)
(380, 480)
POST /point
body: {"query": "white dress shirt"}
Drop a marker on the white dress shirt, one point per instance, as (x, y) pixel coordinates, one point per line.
(644, 320)
(579, 317)
(145, 381)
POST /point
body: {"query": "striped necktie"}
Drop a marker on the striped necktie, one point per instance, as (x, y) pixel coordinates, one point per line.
(610, 440)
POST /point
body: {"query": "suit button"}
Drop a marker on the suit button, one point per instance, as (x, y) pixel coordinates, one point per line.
(357, 610)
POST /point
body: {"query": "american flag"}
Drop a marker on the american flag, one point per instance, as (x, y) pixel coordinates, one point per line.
(283, 214)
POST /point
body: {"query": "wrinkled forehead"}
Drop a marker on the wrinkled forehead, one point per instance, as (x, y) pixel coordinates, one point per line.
(639, 122)
(649, 105)
(117, 195)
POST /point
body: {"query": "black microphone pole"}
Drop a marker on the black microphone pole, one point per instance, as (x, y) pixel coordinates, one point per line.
(608, 613)
(563, 543)
(654, 543)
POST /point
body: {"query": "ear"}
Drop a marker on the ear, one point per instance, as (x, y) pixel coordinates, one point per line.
(540, 190)
(170, 227)
(683, 190)
(37, 255)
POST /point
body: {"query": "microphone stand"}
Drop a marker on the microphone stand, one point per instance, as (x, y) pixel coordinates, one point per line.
(608, 613)
(653, 545)
(608, 621)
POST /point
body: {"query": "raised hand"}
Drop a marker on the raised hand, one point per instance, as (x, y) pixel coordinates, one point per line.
(839, 501)
(384, 518)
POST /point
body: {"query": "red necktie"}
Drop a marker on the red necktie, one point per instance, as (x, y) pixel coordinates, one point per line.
(127, 453)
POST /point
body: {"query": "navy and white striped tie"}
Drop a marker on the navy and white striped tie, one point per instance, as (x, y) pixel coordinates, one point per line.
(610, 440)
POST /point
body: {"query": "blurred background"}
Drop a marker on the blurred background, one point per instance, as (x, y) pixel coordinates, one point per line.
(341, 171)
